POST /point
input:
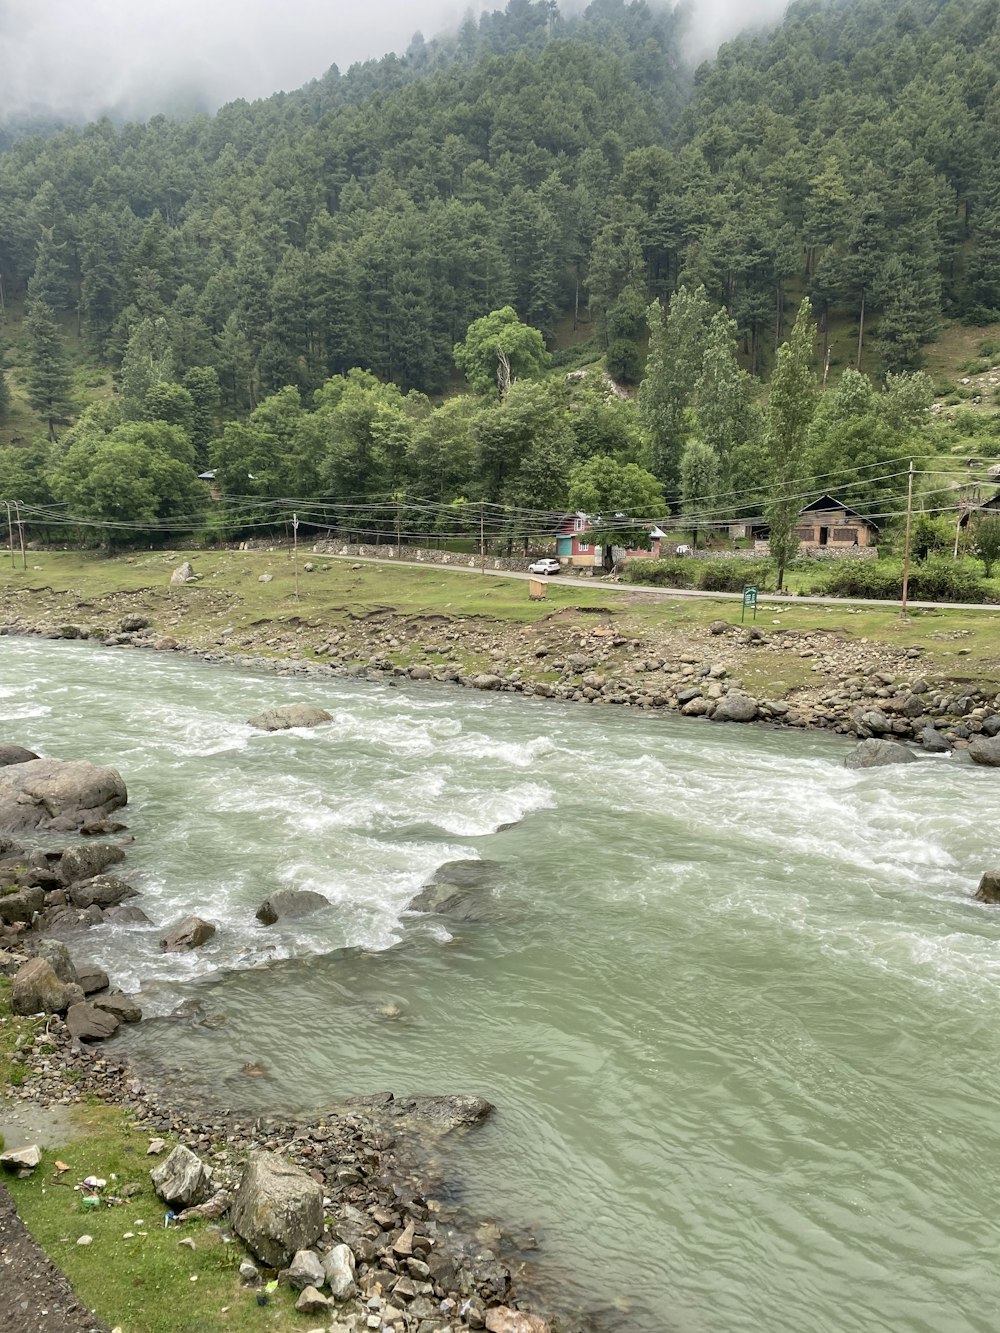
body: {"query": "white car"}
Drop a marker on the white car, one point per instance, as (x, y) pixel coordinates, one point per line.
(546, 566)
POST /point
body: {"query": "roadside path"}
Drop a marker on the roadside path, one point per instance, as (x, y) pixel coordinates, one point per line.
(35, 1296)
(671, 594)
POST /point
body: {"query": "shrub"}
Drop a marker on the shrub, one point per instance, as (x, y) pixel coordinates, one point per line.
(732, 575)
(936, 579)
(661, 573)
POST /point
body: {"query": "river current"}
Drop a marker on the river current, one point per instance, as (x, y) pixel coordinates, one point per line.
(733, 1002)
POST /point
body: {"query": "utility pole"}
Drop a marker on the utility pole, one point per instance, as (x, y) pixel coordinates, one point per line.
(482, 538)
(295, 551)
(20, 532)
(906, 554)
(10, 534)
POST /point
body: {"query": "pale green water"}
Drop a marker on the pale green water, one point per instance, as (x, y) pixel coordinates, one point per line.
(733, 1003)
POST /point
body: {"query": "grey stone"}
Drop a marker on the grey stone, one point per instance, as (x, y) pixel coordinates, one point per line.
(127, 915)
(87, 861)
(983, 750)
(183, 574)
(991, 725)
(38, 990)
(989, 887)
(56, 793)
(21, 906)
(132, 622)
(123, 1007)
(421, 673)
(312, 1302)
(305, 1270)
(15, 754)
(290, 903)
(278, 1209)
(458, 889)
(288, 716)
(875, 753)
(102, 891)
(735, 708)
(88, 1023)
(21, 1159)
(91, 978)
(444, 1113)
(486, 681)
(338, 1269)
(191, 933)
(932, 741)
(57, 956)
(182, 1179)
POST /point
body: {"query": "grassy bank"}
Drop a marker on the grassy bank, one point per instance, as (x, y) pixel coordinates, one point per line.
(230, 610)
(136, 1274)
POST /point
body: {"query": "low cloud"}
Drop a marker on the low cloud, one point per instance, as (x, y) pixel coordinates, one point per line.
(77, 59)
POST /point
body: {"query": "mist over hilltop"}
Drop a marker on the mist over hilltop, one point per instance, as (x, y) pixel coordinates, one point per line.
(74, 62)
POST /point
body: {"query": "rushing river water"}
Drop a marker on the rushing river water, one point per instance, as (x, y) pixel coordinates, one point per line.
(733, 1003)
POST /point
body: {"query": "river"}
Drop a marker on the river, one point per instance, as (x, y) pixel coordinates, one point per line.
(733, 1002)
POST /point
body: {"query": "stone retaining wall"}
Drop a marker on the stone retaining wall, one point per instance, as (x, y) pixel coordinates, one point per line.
(420, 555)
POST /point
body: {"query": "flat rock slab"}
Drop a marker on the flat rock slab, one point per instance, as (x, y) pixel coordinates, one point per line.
(57, 794)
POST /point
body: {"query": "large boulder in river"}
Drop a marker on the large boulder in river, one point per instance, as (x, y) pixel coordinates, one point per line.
(874, 754)
(191, 933)
(278, 1209)
(986, 750)
(290, 903)
(57, 794)
(288, 716)
(37, 990)
(15, 754)
(458, 889)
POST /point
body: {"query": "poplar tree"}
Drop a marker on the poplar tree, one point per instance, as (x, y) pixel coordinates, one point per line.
(673, 366)
(790, 408)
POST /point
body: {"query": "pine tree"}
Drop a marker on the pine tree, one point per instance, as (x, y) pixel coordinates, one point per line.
(46, 366)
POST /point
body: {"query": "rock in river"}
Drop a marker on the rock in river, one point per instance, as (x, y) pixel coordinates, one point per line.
(190, 933)
(290, 715)
(874, 754)
(989, 887)
(458, 889)
(735, 708)
(290, 903)
(15, 754)
(986, 750)
(88, 1023)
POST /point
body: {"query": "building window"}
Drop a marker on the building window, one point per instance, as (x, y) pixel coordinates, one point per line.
(845, 535)
(578, 525)
(584, 548)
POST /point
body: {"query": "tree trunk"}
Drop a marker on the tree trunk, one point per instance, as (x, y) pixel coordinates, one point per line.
(861, 331)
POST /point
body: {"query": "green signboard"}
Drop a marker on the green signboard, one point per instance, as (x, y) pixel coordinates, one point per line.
(749, 599)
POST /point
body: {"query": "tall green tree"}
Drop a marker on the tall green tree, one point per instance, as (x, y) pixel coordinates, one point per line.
(499, 349)
(622, 501)
(790, 408)
(673, 367)
(46, 366)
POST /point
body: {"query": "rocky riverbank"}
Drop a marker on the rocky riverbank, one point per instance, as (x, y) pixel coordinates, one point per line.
(719, 672)
(354, 1220)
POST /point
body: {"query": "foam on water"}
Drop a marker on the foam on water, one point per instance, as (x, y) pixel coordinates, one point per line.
(733, 1001)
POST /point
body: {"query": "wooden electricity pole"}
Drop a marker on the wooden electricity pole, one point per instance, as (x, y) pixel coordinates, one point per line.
(482, 538)
(295, 551)
(906, 553)
(10, 534)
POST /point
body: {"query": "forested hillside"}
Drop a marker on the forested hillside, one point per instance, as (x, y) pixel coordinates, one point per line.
(569, 169)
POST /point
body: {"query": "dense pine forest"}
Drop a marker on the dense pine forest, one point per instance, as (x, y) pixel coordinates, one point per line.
(309, 293)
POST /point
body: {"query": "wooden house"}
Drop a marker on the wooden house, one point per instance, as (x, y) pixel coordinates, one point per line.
(830, 523)
(574, 550)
